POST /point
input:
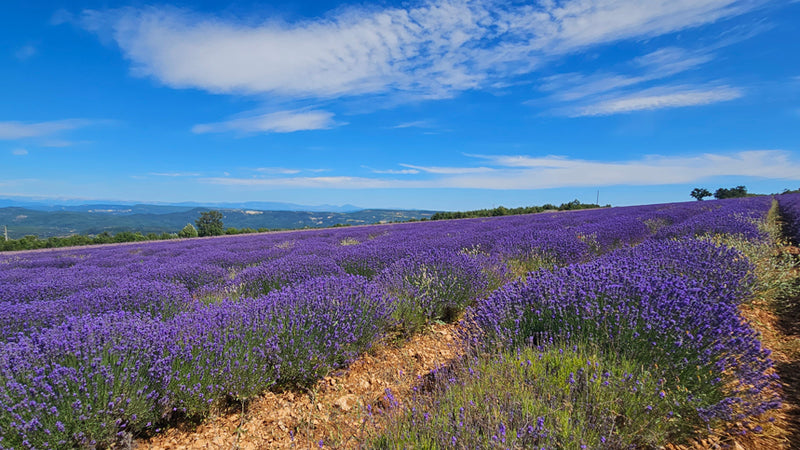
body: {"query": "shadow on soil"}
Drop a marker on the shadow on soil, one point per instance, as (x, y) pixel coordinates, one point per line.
(789, 324)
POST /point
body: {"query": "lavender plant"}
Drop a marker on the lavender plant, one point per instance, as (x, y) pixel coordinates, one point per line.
(85, 383)
(654, 305)
(555, 397)
(260, 280)
(789, 205)
(289, 337)
(670, 303)
(434, 285)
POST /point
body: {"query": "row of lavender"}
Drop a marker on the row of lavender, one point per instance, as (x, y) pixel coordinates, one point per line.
(108, 341)
(790, 210)
(640, 347)
(162, 279)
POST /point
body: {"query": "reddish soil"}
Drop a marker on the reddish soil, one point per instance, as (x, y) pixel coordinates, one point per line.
(334, 412)
(343, 408)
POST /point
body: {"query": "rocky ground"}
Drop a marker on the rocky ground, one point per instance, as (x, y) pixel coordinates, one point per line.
(344, 408)
(336, 413)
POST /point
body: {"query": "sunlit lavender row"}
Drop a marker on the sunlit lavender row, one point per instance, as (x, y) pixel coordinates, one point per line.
(101, 343)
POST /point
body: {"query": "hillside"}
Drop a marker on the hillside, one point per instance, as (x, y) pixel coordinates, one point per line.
(95, 219)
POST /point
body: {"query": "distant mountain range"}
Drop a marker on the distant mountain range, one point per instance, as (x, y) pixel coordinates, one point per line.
(83, 206)
(46, 220)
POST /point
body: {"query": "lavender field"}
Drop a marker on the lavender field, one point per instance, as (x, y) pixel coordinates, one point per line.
(629, 315)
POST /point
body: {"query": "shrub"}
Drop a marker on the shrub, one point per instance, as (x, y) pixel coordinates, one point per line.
(570, 398)
(434, 285)
(677, 317)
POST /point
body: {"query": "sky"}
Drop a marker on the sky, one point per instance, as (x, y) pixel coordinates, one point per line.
(446, 105)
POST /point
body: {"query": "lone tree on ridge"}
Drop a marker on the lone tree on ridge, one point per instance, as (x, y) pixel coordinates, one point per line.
(700, 193)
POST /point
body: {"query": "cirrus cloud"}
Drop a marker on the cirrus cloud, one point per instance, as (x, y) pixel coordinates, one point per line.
(15, 130)
(275, 122)
(523, 172)
(656, 98)
(430, 48)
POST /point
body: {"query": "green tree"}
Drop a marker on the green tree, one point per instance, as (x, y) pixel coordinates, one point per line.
(103, 238)
(700, 193)
(736, 192)
(210, 224)
(189, 231)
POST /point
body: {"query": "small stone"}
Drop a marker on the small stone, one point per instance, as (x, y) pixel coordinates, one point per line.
(346, 402)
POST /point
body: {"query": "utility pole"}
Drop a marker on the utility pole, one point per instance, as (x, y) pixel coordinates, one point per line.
(598, 198)
(5, 232)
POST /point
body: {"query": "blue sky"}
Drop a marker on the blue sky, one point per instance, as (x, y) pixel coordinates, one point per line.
(421, 104)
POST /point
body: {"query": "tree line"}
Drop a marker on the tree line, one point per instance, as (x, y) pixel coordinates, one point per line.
(503, 211)
(734, 192)
(208, 224)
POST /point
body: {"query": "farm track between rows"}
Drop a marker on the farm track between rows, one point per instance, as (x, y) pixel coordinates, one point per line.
(658, 301)
(335, 412)
(781, 333)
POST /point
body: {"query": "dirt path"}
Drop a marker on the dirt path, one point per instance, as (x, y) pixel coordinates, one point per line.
(337, 412)
(781, 334)
(341, 409)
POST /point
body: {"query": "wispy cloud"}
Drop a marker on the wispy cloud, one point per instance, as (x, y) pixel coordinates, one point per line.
(431, 49)
(392, 171)
(449, 170)
(336, 182)
(14, 130)
(19, 152)
(277, 170)
(655, 98)
(275, 122)
(524, 172)
(415, 124)
(174, 174)
(655, 65)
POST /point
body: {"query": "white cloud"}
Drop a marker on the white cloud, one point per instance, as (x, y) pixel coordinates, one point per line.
(448, 170)
(415, 124)
(337, 182)
(19, 152)
(526, 172)
(174, 174)
(393, 171)
(655, 98)
(277, 170)
(14, 130)
(655, 65)
(671, 60)
(588, 22)
(433, 49)
(275, 122)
